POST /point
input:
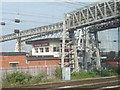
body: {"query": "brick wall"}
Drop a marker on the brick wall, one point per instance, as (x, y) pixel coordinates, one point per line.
(7, 57)
(43, 62)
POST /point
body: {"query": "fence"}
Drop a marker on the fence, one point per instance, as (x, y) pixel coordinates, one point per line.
(33, 70)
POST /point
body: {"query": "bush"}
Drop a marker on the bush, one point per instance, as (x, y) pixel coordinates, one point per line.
(107, 72)
(93, 73)
(117, 70)
(58, 72)
(38, 78)
(16, 78)
(84, 74)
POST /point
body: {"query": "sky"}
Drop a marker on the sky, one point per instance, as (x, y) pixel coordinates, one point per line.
(31, 15)
(34, 14)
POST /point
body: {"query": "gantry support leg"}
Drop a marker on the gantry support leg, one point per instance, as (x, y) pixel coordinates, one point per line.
(119, 40)
(18, 42)
(98, 63)
(18, 45)
(85, 58)
(76, 63)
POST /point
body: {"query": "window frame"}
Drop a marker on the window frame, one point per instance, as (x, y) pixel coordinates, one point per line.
(41, 50)
(36, 50)
(47, 49)
(56, 49)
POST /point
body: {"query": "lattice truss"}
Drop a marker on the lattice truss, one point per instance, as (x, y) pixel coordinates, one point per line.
(89, 19)
(93, 18)
(96, 13)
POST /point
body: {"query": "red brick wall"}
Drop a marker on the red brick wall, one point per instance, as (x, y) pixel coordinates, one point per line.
(6, 59)
(22, 61)
(44, 62)
(0, 61)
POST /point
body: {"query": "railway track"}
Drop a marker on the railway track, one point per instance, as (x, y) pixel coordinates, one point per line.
(91, 83)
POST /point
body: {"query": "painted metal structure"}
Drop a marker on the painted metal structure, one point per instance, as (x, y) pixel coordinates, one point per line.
(89, 20)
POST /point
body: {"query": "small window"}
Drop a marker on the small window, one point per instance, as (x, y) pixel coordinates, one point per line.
(47, 49)
(13, 65)
(41, 49)
(36, 50)
(55, 49)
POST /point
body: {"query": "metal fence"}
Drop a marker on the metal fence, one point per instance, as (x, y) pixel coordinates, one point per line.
(33, 70)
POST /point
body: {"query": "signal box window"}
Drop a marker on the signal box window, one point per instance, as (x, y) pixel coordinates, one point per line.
(36, 50)
(41, 49)
(55, 49)
(47, 49)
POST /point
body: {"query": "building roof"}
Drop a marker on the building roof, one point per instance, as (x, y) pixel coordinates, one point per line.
(42, 40)
(50, 57)
(12, 53)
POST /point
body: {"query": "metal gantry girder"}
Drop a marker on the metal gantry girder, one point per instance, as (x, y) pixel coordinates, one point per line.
(33, 32)
(96, 13)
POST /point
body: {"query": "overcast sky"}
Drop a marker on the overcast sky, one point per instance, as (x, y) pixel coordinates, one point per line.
(33, 14)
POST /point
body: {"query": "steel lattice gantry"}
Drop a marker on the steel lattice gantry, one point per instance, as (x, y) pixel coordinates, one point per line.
(91, 18)
(100, 14)
(96, 13)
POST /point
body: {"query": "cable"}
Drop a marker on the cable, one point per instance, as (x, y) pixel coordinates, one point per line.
(71, 3)
(74, 3)
(40, 16)
(24, 20)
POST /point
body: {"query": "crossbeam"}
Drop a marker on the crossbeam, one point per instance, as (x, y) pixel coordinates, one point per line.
(93, 14)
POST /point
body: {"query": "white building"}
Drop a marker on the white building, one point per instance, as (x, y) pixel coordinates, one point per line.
(45, 47)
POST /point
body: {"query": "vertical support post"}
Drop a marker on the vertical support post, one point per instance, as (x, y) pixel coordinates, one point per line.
(18, 42)
(75, 51)
(80, 44)
(63, 43)
(98, 63)
(85, 51)
(119, 39)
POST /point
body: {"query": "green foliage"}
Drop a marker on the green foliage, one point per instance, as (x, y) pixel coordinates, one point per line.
(95, 73)
(6, 84)
(58, 72)
(16, 78)
(38, 78)
(107, 72)
(117, 70)
(83, 74)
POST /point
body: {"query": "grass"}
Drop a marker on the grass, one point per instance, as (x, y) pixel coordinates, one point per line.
(18, 78)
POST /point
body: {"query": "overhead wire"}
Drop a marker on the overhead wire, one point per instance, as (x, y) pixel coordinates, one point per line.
(24, 20)
(28, 12)
(39, 16)
(22, 14)
(75, 3)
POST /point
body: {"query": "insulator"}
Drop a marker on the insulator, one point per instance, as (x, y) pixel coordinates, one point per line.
(2, 23)
(114, 40)
(16, 31)
(17, 21)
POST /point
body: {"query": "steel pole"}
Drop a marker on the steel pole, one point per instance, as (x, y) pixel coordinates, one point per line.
(63, 43)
